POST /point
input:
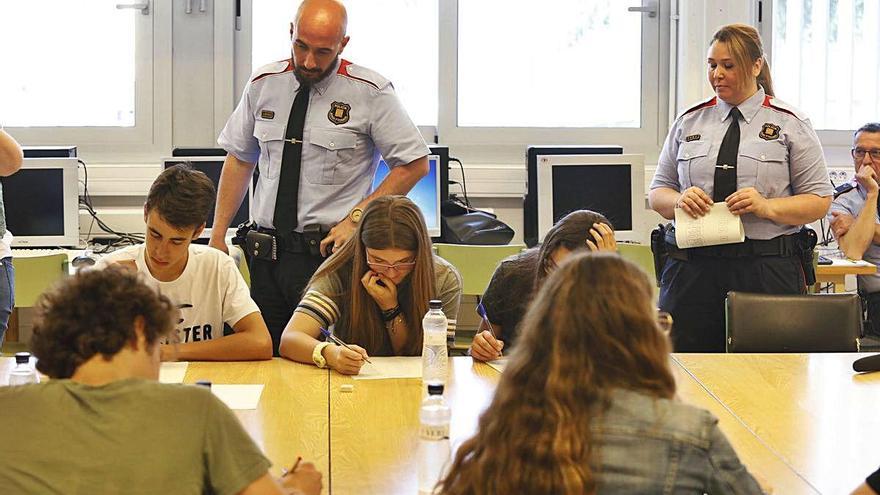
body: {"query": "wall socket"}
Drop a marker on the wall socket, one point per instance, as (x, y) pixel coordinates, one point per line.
(840, 175)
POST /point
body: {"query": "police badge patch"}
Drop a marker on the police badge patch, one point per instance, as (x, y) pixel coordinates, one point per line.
(267, 114)
(338, 113)
(769, 132)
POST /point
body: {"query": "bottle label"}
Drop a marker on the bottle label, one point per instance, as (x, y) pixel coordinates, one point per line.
(434, 432)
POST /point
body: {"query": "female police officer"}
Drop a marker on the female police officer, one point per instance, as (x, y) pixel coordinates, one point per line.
(762, 158)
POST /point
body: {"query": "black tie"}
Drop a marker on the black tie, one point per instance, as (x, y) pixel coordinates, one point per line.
(725, 167)
(291, 160)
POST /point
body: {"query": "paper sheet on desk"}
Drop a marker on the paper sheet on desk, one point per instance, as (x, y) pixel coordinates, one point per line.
(719, 226)
(238, 396)
(172, 372)
(386, 368)
(498, 364)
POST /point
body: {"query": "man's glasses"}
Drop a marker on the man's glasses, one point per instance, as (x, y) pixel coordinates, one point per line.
(398, 267)
(859, 153)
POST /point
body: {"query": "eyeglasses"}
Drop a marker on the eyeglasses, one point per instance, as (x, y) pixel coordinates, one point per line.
(859, 153)
(398, 267)
(664, 322)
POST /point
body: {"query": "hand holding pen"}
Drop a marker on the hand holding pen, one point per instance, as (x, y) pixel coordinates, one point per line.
(302, 478)
(345, 358)
(486, 345)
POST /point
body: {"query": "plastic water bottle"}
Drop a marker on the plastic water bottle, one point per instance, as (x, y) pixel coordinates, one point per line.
(23, 373)
(433, 439)
(435, 356)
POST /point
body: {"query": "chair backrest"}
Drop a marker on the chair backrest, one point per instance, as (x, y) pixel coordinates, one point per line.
(475, 264)
(34, 274)
(640, 254)
(793, 323)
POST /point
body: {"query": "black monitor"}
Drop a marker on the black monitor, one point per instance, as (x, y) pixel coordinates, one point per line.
(41, 202)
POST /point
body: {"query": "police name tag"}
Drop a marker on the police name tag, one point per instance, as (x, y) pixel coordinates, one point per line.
(719, 226)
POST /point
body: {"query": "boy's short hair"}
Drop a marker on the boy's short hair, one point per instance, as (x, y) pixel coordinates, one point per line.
(183, 196)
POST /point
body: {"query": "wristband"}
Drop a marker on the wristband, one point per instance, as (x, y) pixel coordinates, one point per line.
(390, 314)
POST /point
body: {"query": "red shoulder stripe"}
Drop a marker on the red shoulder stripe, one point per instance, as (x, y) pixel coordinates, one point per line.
(343, 71)
(768, 102)
(705, 104)
(288, 68)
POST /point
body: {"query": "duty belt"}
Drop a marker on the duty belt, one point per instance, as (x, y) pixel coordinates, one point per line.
(783, 245)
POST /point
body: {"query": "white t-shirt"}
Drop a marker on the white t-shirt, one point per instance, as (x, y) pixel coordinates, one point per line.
(209, 292)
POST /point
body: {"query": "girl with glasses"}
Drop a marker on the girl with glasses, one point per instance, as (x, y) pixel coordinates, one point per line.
(586, 403)
(373, 292)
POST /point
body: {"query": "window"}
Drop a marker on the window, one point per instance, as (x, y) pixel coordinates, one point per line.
(79, 73)
(396, 38)
(826, 59)
(578, 64)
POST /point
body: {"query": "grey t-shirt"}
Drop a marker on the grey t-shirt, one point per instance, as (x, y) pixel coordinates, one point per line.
(130, 436)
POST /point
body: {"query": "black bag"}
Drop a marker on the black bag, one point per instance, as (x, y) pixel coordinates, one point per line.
(464, 225)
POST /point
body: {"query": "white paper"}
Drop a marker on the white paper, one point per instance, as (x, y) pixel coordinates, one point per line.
(172, 372)
(498, 364)
(238, 396)
(386, 368)
(719, 226)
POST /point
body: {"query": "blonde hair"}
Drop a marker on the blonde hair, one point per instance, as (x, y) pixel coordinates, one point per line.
(591, 329)
(389, 222)
(745, 45)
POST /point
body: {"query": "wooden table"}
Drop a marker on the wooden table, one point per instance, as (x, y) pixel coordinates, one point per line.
(836, 273)
(811, 410)
(374, 429)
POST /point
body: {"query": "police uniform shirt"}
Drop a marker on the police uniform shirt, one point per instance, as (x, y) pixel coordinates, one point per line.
(353, 116)
(779, 154)
(851, 203)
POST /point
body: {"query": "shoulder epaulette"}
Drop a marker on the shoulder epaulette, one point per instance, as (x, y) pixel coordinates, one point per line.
(358, 73)
(781, 106)
(711, 102)
(272, 69)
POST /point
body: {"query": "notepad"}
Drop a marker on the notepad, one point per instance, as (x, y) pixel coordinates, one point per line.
(719, 226)
(387, 368)
(172, 372)
(498, 364)
(238, 396)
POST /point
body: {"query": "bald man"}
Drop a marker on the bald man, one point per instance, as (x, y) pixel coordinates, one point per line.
(317, 125)
(10, 162)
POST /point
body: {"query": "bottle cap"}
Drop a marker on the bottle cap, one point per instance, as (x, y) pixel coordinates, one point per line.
(435, 389)
(22, 357)
(435, 304)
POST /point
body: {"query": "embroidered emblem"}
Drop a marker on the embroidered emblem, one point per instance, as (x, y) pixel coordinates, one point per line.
(769, 132)
(339, 112)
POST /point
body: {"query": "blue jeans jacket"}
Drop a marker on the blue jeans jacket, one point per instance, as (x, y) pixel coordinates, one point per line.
(648, 446)
(7, 294)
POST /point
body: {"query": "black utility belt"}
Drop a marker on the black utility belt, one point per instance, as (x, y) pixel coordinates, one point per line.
(784, 245)
(266, 244)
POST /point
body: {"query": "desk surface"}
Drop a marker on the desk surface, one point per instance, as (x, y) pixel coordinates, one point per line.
(846, 267)
(812, 411)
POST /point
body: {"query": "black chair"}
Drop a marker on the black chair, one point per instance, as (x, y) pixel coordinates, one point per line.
(793, 323)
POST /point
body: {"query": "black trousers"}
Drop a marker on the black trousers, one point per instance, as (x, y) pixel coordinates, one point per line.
(277, 287)
(694, 291)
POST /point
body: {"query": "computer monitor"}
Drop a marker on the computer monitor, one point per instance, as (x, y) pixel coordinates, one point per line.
(426, 194)
(212, 166)
(42, 203)
(613, 185)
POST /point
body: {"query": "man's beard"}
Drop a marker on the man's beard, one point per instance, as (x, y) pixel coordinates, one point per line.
(309, 78)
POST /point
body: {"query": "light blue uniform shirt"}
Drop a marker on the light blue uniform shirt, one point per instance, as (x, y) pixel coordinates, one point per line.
(779, 155)
(851, 203)
(353, 116)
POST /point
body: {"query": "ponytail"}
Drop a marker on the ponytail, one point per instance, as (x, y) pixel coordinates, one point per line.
(764, 78)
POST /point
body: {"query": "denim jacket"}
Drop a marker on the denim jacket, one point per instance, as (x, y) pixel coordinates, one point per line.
(648, 446)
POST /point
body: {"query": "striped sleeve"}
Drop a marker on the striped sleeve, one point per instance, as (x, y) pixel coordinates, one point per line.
(320, 307)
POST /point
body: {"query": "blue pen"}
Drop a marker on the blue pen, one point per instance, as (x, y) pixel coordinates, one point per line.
(337, 341)
(481, 310)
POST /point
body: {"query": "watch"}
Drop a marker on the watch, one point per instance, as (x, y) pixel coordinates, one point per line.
(317, 357)
(355, 215)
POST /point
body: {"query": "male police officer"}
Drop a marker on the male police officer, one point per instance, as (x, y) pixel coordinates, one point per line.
(854, 219)
(315, 123)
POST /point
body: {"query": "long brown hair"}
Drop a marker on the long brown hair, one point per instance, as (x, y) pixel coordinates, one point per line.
(389, 222)
(745, 45)
(570, 232)
(591, 329)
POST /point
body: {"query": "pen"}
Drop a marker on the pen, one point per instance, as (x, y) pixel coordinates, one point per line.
(481, 310)
(335, 340)
(293, 469)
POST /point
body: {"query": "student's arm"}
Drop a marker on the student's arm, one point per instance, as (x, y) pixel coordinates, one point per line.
(10, 155)
(485, 347)
(384, 294)
(728, 473)
(250, 342)
(300, 338)
(305, 481)
(234, 180)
